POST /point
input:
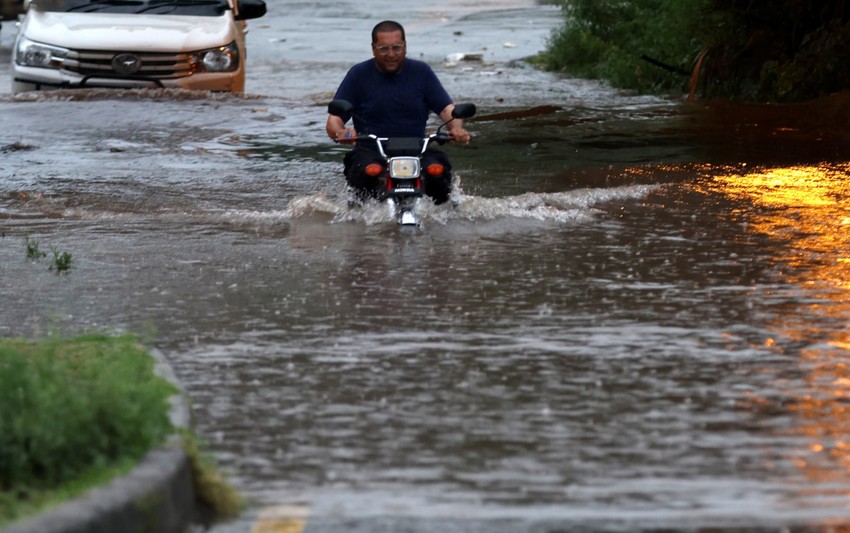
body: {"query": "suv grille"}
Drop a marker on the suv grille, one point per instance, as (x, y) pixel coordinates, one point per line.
(146, 64)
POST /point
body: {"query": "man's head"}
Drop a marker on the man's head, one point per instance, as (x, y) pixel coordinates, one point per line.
(388, 46)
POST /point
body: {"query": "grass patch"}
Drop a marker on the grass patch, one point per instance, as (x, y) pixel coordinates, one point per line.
(33, 251)
(217, 497)
(73, 414)
(62, 260)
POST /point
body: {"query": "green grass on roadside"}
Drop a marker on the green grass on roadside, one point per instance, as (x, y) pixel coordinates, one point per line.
(73, 414)
(213, 492)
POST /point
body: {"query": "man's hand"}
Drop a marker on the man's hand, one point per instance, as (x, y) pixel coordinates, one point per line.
(346, 136)
(459, 135)
(338, 132)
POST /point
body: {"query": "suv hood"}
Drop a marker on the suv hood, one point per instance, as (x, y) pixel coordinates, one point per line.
(140, 32)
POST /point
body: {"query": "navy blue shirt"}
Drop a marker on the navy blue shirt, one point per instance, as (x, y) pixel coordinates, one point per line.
(393, 105)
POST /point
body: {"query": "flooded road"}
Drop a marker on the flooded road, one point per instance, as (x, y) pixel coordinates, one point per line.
(636, 318)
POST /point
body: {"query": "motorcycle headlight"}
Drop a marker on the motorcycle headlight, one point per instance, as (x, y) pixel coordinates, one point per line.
(404, 167)
(33, 54)
(221, 59)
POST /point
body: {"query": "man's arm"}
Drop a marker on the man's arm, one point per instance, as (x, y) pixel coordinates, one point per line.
(455, 127)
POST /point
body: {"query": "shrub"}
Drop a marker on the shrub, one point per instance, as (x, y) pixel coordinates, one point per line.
(612, 39)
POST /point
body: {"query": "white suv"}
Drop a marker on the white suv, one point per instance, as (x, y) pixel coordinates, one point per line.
(188, 44)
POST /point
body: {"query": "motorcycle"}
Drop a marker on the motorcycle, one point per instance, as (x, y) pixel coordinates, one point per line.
(401, 172)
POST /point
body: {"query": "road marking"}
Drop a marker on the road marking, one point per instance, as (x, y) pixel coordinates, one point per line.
(281, 519)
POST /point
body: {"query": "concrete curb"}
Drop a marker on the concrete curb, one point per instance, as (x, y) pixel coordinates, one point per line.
(158, 495)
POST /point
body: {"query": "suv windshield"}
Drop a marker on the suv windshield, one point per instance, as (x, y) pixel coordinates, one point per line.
(198, 8)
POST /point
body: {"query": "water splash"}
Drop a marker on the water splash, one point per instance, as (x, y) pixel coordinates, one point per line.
(559, 207)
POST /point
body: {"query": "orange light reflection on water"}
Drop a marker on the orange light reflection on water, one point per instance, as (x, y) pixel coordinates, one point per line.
(808, 209)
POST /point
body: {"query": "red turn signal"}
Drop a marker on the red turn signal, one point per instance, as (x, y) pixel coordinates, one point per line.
(374, 169)
(435, 169)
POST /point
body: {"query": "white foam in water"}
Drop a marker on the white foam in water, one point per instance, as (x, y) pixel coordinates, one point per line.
(561, 207)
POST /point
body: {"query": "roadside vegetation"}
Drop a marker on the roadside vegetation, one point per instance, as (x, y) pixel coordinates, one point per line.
(62, 261)
(782, 51)
(75, 413)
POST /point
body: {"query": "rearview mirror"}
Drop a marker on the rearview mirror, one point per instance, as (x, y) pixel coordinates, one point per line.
(340, 108)
(464, 111)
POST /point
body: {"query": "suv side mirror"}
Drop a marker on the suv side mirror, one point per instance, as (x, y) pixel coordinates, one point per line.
(251, 9)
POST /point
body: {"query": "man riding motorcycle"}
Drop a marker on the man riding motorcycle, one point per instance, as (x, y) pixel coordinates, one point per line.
(393, 97)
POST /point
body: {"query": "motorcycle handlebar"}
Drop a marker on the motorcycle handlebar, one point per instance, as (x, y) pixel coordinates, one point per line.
(440, 137)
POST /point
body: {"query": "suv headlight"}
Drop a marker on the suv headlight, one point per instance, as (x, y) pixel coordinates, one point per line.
(33, 54)
(221, 59)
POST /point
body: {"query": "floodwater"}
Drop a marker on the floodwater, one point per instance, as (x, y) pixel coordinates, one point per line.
(636, 318)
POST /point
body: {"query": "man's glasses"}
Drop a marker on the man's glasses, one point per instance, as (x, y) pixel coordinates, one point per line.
(395, 48)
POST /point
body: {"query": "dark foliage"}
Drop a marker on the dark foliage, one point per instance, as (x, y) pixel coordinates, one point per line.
(761, 50)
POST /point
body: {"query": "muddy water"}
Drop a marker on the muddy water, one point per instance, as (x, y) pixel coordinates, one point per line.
(636, 316)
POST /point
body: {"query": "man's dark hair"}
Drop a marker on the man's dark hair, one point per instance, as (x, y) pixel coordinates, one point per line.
(385, 27)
